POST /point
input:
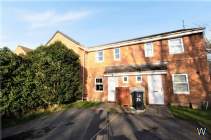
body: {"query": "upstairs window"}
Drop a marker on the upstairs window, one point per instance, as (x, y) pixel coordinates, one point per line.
(99, 84)
(176, 46)
(99, 56)
(180, 83)
(148, 49)
(117, 54)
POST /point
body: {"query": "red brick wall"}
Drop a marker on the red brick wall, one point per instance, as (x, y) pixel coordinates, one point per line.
(193, 62)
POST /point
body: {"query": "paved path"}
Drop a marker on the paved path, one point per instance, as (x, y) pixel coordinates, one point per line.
(81, 124)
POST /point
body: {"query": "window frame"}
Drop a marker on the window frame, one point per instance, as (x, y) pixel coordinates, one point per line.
(97, 56)
(98, 84)
(115, 54)
(170, 46)
(137, 78)
(145, 49)
(187, 82)
(124, 80)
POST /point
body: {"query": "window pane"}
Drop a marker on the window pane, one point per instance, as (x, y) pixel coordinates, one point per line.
(148, 49)
(180, 78)
(117, 53)
(177, 48)
(117, 56)
(176, 41)
(100, 56)
(99, 87)
(148, 44)
(176, 45)
(138, 78)
(100, 53)
(99, 80)
(125, 79)
(116, 50)
(180, 87)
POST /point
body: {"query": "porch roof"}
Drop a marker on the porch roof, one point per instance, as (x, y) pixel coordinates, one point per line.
(134, 68)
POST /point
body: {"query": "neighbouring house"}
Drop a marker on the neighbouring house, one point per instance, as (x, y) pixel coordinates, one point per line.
(169, 68)
(21, 50)
(209, 62)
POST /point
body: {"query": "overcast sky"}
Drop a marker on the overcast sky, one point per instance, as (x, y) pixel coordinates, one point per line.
(92, 23)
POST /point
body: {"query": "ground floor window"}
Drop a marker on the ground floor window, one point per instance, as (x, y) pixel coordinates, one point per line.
(99, 84)
(138, 79)
(180, 83)
(125, 79)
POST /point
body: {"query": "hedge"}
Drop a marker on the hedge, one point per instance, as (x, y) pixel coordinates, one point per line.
(45, 76)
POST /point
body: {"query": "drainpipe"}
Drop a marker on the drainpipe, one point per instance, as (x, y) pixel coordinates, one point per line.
(83, 76)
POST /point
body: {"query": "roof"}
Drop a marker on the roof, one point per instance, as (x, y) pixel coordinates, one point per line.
(134, 68)
(24, 49)
(69, 38)
(150, 37)
(76, 42)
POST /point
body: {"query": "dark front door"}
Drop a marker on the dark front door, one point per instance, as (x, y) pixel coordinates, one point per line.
(138, 100)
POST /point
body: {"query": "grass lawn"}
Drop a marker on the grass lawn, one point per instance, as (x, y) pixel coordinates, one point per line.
(200, 116)
(82, 104)
(42, 112)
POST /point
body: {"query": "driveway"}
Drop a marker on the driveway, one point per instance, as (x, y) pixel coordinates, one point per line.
(86, 124)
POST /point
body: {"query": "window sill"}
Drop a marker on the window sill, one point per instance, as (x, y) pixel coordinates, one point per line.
(180, 93)
(176, 53)
(99, 91)
(99, 61)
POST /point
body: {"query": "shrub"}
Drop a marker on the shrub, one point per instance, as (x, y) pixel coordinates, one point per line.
(48, 75)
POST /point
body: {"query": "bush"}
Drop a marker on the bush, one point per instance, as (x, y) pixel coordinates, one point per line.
(48, 75)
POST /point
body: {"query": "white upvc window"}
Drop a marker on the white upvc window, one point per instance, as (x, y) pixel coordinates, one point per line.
(99, 84)
(125, 79)
(180, 83)
(148, 49)
(176, 46)
(99, 56)
(116, 53)
(138, 79)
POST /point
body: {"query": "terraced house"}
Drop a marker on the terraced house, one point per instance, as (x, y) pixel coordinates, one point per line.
(168, 68)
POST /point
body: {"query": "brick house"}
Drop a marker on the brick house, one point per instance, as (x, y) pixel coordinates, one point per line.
(170, 68)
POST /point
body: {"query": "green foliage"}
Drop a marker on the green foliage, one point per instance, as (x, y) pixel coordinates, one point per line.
(200, 116)
(83, 104)
(48, 75)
